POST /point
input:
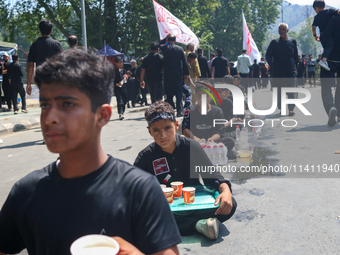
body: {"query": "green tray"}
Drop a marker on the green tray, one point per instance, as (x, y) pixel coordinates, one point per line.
(203, 200)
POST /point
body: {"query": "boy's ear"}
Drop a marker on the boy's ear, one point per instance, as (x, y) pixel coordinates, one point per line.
(104, 114)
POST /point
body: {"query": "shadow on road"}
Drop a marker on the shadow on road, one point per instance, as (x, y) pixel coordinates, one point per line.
(20, 145)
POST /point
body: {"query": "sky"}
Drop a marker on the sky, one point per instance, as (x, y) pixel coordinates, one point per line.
(333, 3)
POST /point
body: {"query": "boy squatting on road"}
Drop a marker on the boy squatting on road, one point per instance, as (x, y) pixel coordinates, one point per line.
(85, 191)
(181, 155)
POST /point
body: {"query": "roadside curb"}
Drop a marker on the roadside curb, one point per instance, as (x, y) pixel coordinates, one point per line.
(20, 125)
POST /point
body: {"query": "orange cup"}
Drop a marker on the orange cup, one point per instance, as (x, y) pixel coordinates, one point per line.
(189, 195)
(177, 186)
(169, 194)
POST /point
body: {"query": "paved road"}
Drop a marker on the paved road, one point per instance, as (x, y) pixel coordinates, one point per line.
(275, 215)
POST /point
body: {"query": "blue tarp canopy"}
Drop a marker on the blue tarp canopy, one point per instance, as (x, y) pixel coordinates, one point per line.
(109, 51)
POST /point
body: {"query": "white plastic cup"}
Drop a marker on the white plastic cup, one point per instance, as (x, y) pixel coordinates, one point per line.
(163, 186)
(94, 245)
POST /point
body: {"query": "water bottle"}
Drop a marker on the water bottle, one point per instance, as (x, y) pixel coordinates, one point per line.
(204, 147)
(202, 141)
(222, 155)
(215, 153)
(209, 152)
(238, 133)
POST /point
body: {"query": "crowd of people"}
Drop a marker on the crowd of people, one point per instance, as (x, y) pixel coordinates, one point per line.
(86, 191)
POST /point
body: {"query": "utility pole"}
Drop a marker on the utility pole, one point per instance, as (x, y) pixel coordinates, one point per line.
(83, 24)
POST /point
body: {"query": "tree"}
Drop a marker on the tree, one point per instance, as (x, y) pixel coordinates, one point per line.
(306, 39)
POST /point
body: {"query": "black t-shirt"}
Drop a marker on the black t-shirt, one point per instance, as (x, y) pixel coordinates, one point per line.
(15, 74)
(322, 19)
(200, 125)
(153, 64)
(178, 165)
(220, 63)
(42, 49)
(332, 33)
(263, 69)
(256, 70)
(45, 213)
(227, 109)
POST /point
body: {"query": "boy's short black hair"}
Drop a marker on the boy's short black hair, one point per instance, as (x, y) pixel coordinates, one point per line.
(87, 72)
(45, 27)
(157, 108)
(228, 79)
(192, 55)
(15, 57)
(172, 38)
(199, 50)
(244, 51)
(72, 40)
(219, 51)
(154, 46)
(319, 4)
(212, 54)
(128, 72)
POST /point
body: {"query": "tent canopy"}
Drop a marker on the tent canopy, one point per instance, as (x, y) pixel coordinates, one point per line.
(109, 51)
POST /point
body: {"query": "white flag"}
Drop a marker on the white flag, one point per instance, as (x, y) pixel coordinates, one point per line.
(168, 23)
(249, 43)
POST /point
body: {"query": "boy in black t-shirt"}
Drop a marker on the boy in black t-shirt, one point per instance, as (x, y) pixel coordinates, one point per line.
(321, 20)
(85, 191)
(178, 156)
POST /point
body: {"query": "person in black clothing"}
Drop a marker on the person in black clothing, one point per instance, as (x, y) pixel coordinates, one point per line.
(130, 88)
(120, 87)
(321, 20)
(221, 65)
(331, 106)
(177, 154)
(152, 67)
(137, 88)
(233, 70)
(42, 49)
(145, 88)
(196, 125)
(264, 73)
(256, 75)
(203, 63)
(301, 71)
(5, 81)
(15, 78)
(282, 56)
(175, 68)
(85, 191)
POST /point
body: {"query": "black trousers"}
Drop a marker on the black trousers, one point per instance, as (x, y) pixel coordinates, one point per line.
(327, 82)
(7, 93)
(186, 220)
(156, 90)
(175, 89)
(245, 81)
(280, 83)
(14, 97)
(310, 76)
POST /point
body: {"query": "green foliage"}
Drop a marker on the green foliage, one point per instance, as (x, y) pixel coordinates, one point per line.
(130, 26)
(306, 39)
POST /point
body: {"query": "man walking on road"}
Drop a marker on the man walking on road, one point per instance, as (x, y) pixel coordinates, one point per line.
(5, 81)
(152, 67)
(243, 64)
(203, 63)
(42, 49)
(310, 63)
(220, 64)
(175, 68)
(332, 108)
(282, 56)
